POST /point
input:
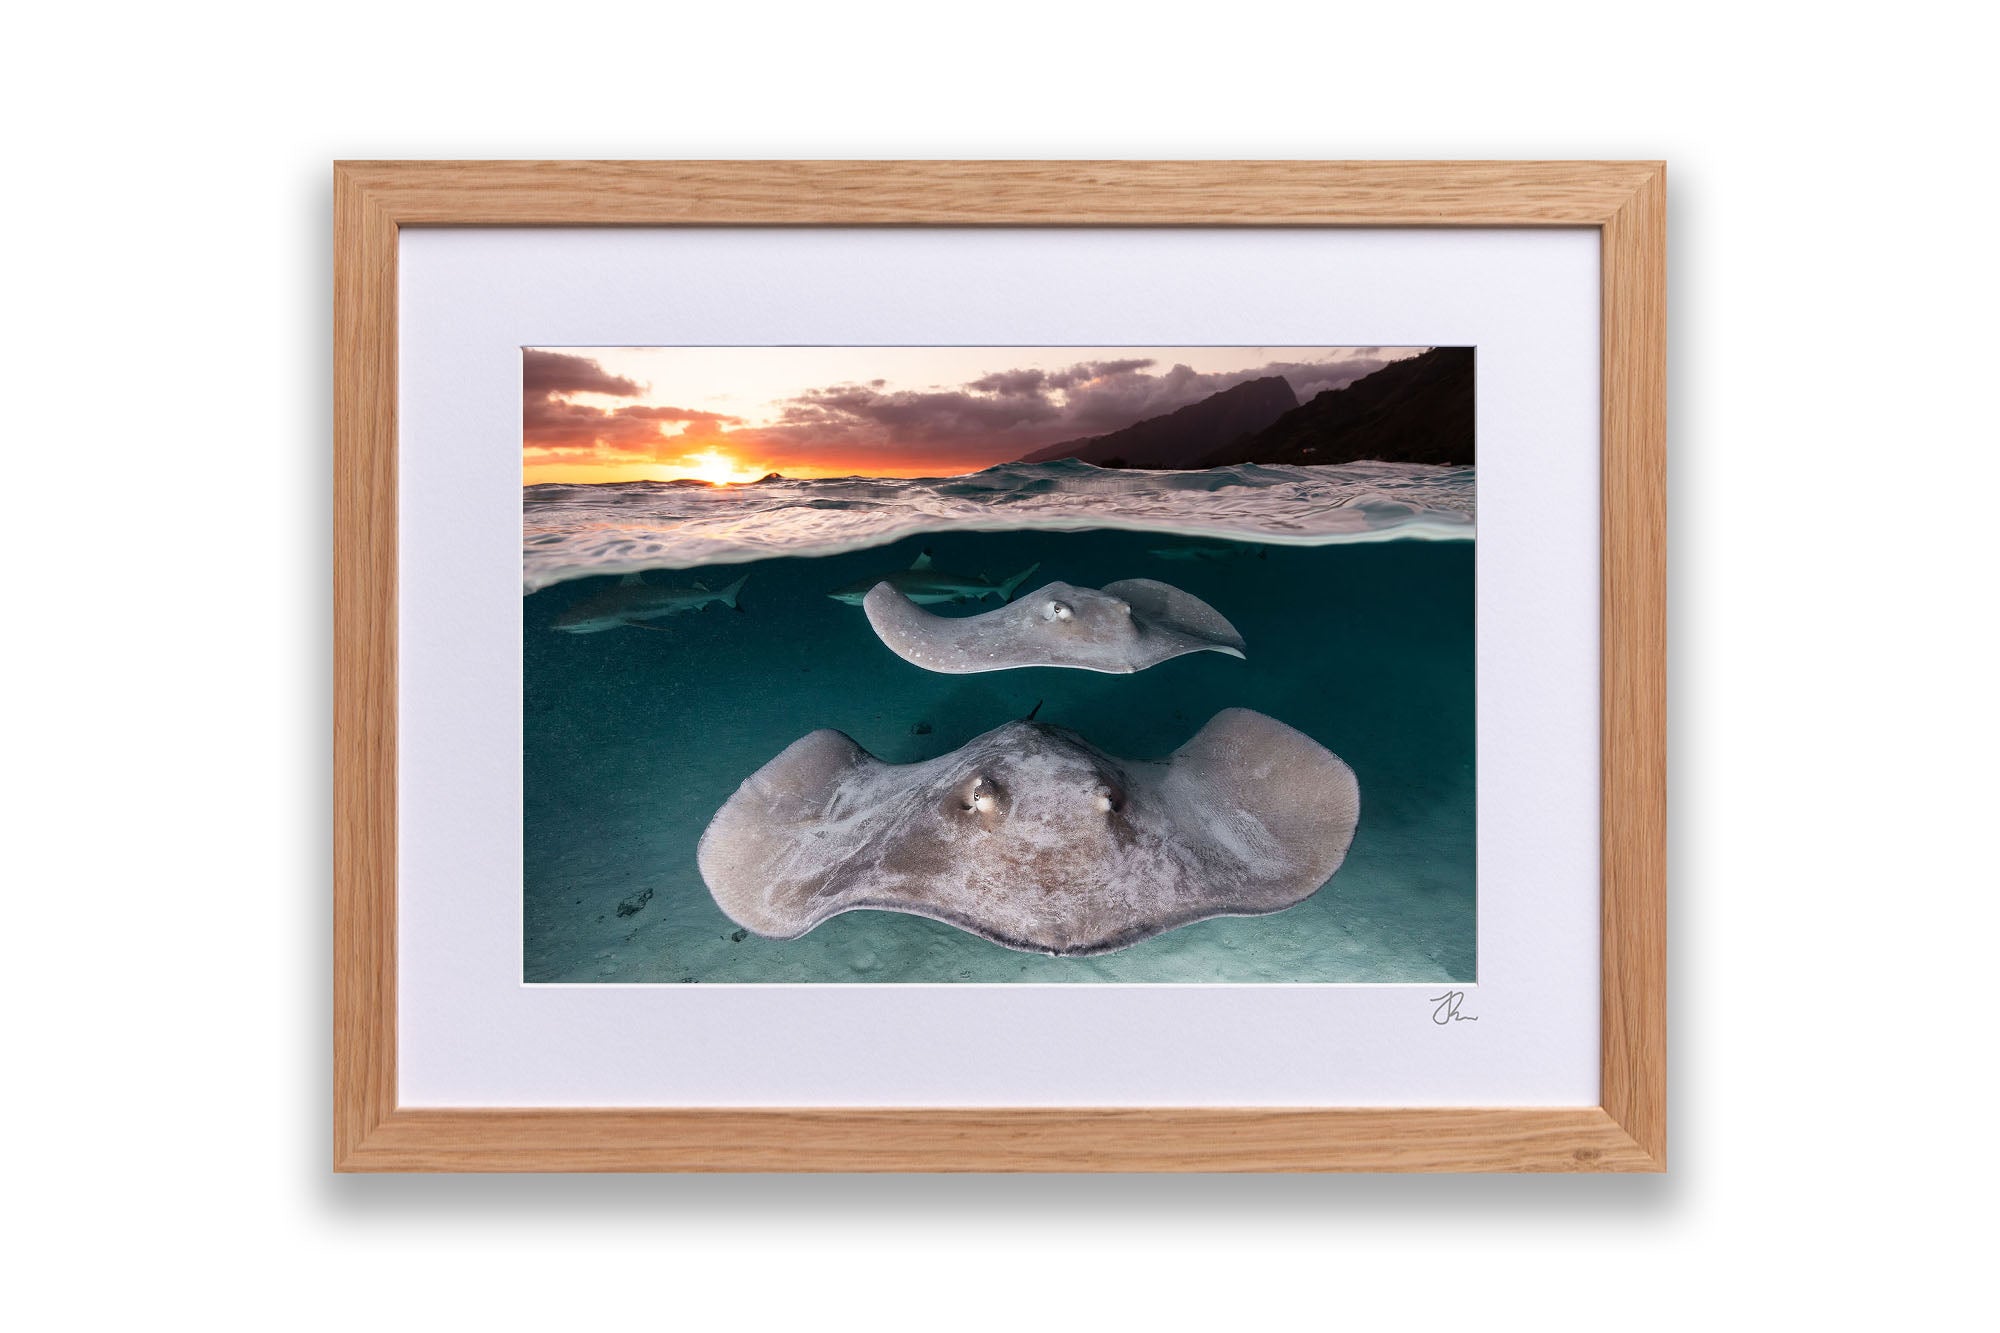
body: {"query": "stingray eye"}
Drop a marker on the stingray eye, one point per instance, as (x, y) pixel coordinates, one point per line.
(1108, 799)
(1060, 611)
(981, 796)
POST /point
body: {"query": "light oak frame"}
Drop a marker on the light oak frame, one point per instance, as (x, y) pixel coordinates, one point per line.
(1625, 201)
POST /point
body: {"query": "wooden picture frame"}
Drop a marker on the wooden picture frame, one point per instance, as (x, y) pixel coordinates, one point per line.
(1624, 201)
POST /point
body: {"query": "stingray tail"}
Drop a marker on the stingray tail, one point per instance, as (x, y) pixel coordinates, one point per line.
(728, 595)
(1008, 588)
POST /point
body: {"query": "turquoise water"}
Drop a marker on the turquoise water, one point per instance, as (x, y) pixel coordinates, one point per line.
(634, 738)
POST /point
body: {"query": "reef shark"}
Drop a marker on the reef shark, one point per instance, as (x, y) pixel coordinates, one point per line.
(926, 585)
(1213, 551)
(632, 601)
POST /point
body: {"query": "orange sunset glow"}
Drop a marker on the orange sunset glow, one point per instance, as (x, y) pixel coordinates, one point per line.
(710, 465)
(733, 415)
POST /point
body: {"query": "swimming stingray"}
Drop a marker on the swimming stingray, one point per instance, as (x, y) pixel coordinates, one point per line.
(1128, 626)
(1034, 838)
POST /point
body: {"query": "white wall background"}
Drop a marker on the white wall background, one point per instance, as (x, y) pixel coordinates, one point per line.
(166, 329)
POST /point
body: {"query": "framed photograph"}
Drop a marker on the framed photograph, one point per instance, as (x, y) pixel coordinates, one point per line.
(1109, 666)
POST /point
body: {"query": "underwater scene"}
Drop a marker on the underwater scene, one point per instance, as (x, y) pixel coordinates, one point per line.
(1091, 714)
(637, 737)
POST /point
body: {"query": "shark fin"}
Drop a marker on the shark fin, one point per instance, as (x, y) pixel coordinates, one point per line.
(632, 580)
(1011, 586)
(923, 561)
(729, 595)
(700, 586)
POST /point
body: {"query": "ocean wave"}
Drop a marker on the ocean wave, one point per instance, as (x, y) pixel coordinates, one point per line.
(573, 531)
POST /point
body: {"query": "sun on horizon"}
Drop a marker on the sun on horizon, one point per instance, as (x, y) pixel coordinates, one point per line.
(710, 465)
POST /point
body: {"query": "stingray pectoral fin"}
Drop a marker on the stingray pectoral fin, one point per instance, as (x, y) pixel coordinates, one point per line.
(1269, 801)
(912, 633)
(758, 855)
(1168, 608)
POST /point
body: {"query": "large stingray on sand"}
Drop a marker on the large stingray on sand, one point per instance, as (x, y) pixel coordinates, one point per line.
(1032, 837)
(1128, 626)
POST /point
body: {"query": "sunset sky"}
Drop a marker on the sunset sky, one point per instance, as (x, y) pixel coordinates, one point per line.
(730, 414)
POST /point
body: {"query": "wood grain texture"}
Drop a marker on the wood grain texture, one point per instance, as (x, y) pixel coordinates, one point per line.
(1634, 665)
(1029, 1139)
(1626, 200)
(364, 665)
(1057, 194)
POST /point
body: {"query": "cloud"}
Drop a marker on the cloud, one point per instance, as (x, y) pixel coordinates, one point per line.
(1000, 415)
(1010, 382)
(850, 410)
(545, 373)
(1018, 383)
(555, 428)
(1085, 372)
(1006, 413)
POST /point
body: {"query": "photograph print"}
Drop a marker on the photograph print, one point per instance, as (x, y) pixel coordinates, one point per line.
(998, 664)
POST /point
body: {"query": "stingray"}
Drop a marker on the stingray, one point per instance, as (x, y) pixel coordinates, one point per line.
(1034, 838)
(1128, 626)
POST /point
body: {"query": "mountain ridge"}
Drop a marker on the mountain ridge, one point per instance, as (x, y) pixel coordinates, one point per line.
(1205, 426)
(1417, 410)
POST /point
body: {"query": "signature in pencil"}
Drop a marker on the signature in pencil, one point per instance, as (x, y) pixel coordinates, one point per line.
(1447, 1009)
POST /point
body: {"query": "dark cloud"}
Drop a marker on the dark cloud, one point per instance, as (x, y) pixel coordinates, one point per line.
(1010, 382)
(554, 427)
(1008, 412)
(544, 373)
(849, 411)
(1085, 371)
